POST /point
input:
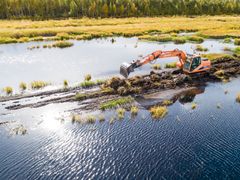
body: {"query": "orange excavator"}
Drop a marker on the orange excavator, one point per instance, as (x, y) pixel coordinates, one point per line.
(189, 63)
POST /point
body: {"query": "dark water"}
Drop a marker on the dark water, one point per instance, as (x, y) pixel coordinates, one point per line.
(187, 144)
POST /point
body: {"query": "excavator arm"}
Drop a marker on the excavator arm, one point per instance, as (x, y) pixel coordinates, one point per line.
(127, 68)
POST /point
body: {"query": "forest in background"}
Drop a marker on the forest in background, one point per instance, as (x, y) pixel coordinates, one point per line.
(48, 9)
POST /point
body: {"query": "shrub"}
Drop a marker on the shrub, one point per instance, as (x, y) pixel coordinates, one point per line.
(38, 84)
(134, 110)
(8, 90)
(171, 65)
(237, 41)
(23, 86)
(201, 48)
(158, 112)
(62, 44)
(156, 66)
(88, 77)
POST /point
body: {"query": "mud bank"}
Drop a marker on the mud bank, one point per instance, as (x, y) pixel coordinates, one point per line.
(138, 87)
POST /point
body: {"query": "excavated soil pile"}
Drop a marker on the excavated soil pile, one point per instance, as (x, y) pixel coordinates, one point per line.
(222, 69)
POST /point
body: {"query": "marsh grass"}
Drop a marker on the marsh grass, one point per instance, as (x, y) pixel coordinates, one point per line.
(156, 66)
(134, 110)
(76, 118)
(237, 42)
(171, 65)
(101, 118)
(227, 49)
(62, 44)
(121, 113)
(237, 50)
(80, 96)
(65, 83)
(201, 48)
(213, 56)
(167, 102)
(23, 86)
(87, 77)
(8, 90)
(39, 84)
(238, 98)
(116, 102)
(159, 112)
(87, 84)
(227, 40)
(195, 39)
(194, 106)
(179, 40)
(91, 119)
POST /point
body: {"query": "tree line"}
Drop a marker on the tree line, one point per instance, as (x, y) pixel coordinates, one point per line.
(45, 9)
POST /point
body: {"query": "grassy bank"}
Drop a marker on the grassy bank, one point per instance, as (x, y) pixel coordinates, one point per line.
(12, 31)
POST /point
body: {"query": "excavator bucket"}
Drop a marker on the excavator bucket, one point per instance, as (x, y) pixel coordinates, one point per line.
(126, 69)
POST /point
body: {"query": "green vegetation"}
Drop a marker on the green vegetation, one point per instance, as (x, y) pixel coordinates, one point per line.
(23, 86)
(88, 77)
(38, 84)
(194, 106)
(156, 66)
(158, 38)
(91, 119)
(201, 48)
(219, 74)
(62, 44)
(237, 41)
(227, 40)
(179, 40)
(65, 83)
(101, 118)
(171, 65)
(237, 50)
(213, 56)
(227, 49)
(116, 102)
(100, 81)
(238, 98)
(84, 8)
(87, 84)
(8, 90)
(76, 118)
(164, 28)
(167, 102)
(80, 96)
(134, 110)
(121, 113)
(45, 46)
(196, 39)
(159, 112)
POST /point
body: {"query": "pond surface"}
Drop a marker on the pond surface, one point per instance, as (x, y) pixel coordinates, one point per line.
(187, 144)
(100, 57)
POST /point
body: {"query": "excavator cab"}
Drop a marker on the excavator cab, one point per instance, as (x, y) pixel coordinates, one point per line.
(196, 64)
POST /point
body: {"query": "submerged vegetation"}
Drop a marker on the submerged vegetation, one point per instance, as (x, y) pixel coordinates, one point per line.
(116, 102)
(159, 112)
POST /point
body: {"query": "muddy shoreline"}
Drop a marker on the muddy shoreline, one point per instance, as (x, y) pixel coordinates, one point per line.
(138, 87)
